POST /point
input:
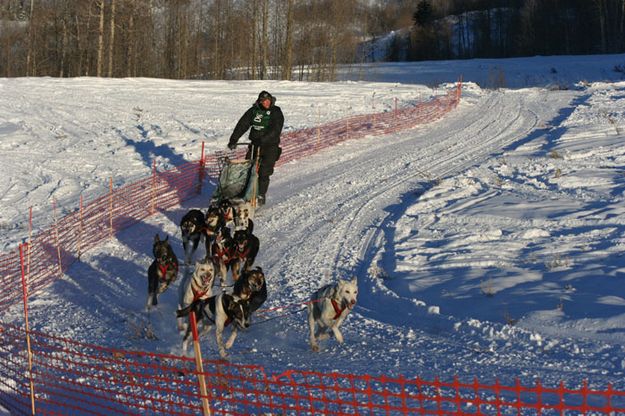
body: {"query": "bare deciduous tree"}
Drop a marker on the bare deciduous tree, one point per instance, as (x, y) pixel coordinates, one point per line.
(100, 61)
(287, 66)
(111, 39)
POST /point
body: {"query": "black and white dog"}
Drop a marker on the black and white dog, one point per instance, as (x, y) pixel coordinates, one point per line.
(245, 246)
(221, 253)
(163, 271)
(192, 227)
(214, 223)
(221, 310)
(328, 308)
(227, 211)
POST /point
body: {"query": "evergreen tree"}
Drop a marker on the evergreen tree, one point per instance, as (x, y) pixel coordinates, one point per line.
(424, 13)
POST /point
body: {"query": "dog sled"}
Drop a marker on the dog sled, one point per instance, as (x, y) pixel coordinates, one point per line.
(238, 181)
(236, 192)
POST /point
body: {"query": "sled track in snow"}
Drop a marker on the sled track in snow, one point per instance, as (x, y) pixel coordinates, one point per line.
(341, 217)
(337, 222)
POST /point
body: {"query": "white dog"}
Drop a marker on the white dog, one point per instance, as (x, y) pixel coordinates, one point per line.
(243, 215)
(199, 285)
(328, 308)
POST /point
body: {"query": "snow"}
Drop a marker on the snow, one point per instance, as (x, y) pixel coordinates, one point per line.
(487, 244)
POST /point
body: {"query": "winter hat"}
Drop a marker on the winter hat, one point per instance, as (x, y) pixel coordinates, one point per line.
(264, 95)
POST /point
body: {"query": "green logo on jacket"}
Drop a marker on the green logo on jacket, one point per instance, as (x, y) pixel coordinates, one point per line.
(260, 121)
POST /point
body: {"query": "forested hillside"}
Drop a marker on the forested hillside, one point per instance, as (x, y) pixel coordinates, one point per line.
(451, 29)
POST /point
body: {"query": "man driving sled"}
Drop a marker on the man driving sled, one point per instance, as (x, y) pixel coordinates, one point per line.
(265, 120)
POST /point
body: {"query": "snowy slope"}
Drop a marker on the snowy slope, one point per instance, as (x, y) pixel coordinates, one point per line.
(486, 244)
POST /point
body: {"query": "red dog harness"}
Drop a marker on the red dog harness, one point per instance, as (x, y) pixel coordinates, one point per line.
(224, 254)
(242, 254)
(163, 268)
(337, 309)
(197, 294)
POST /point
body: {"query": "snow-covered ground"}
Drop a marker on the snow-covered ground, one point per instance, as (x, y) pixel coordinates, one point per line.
(488, 244)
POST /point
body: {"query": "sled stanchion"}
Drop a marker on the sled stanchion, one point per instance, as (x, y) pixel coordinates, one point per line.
(255, 184)
(27, 328)
(80, 227)
(201, 172)
(153, 198)
(206, 411)
(56, 238)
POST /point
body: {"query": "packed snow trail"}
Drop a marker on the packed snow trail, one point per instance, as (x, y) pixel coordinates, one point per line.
(327, 217)
(336, 217)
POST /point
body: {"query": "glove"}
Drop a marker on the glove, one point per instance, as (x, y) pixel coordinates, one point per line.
(232, 146)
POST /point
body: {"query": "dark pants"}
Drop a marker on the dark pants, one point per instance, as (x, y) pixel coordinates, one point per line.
(269, 155)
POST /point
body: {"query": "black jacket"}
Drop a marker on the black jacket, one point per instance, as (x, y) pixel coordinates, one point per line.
(269, 135)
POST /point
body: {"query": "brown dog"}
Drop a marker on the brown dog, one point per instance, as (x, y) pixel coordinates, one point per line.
(245, 246)
(252, 288)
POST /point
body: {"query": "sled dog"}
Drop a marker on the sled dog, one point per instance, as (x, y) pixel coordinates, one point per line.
(198, 285)
(214, 223)
(252, 287)
(192, 228)
(244, 250)
(328, 308)
(221, 250)
(243, 217)
(221, 310)
(163, 271)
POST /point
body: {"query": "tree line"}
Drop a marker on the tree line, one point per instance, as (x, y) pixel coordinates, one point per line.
(451, 29)
(287, 39)
(179, 39)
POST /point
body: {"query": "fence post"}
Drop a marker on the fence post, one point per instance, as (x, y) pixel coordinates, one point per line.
(608, 393)
(111, 206)
(30, 239)
(153, 199)
(206, 411)
(584, 391)
(201, 172)
(318, 129)
(29, 351)
(80, 227)
(56, 238)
